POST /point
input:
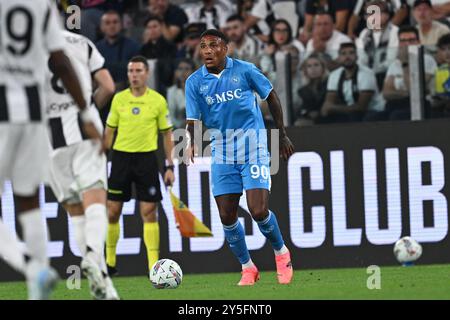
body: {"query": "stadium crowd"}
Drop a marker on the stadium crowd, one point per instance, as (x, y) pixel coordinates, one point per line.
(349, 59)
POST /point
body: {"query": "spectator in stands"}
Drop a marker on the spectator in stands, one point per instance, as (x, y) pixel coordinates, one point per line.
(213, 13)
(280, 37)
(258, 16)
(242, 45)
(158, 47)
(441, 10)
(91, 14)
(175, 94)
(244, 7)
(296, 75)
(398, 9)
(441, 99)
(377, 45)
(190, 48)
(429, 30)
(338, 10)
(174, 18)
(396, 90)
(312, 94)
(326, 39)
(287, 10)
(351, 90)
(116, 48)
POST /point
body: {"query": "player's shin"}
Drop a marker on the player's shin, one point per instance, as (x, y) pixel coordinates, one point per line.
(235, 237)
(151, 240)
(10, 249)
(96, 226)
(111, 243)
(79, 225)
(35, 235)
(270, 229)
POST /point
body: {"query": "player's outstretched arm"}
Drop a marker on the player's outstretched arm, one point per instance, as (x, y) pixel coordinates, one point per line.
(286, 147)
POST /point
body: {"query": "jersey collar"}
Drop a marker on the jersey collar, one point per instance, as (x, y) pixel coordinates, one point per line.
(228, 65)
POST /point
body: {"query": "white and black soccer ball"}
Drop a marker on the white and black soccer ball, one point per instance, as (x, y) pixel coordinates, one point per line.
(166, 274)
(407, 250)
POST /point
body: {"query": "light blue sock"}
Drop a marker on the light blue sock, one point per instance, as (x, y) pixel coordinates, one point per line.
(235, 236)
(269, 228)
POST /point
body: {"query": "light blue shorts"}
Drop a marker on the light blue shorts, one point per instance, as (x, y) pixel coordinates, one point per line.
(234, 178)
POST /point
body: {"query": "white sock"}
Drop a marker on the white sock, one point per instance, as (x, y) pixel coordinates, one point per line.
(103, 266)
(79, 225)
(248, 264)
(35, 235)
(96, 228)
(10, 249)
(283, 250)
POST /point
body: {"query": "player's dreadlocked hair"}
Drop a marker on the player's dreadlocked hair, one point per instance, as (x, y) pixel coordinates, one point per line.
(215, 33)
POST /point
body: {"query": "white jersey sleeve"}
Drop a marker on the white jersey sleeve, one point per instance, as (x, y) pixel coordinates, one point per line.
(96, 60)
(53, 38)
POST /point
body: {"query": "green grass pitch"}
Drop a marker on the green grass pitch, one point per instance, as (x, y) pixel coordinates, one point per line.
(417, 282)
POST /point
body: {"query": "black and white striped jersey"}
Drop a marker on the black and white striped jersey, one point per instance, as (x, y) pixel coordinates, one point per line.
(29, 31)
(62, 111)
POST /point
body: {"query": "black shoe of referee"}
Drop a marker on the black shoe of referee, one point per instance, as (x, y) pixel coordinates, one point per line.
(112, 271)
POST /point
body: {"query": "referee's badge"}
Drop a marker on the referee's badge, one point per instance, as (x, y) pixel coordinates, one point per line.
(136, 110)
(152, 191)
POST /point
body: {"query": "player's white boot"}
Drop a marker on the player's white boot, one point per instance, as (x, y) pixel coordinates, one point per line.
(111, 292)
(41, 280)
(92, 271)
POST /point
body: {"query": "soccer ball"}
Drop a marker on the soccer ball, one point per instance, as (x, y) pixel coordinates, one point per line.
(166, 274)
(407, 250)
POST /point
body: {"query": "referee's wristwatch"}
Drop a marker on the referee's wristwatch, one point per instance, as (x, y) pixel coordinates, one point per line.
(170, 167)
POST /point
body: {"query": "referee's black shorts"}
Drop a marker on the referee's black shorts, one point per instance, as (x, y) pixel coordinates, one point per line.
(140, 168)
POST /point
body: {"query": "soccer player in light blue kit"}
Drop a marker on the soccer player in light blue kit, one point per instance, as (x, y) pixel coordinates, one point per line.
(221, 94)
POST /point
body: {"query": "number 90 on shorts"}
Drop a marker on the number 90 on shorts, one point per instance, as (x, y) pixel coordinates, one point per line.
(256, 176)
(259, 171)
(228, 178)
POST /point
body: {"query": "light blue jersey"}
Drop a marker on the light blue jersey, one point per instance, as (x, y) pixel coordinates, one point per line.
(227, 102)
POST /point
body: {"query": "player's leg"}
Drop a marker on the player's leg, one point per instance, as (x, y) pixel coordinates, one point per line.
(96, 226)
(30, 168)
(151, 230)
(227, 189)
(119, 191)
(10, 248)
(235, 236)
(90, 261)
(89, 169)
(76, 213)
(257, 182)
(63, 182)
(113, 234)
(148, 193)
(258, 202)
(96, 221)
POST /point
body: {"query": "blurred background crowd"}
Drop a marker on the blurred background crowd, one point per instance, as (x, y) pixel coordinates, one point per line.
(348, 59)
